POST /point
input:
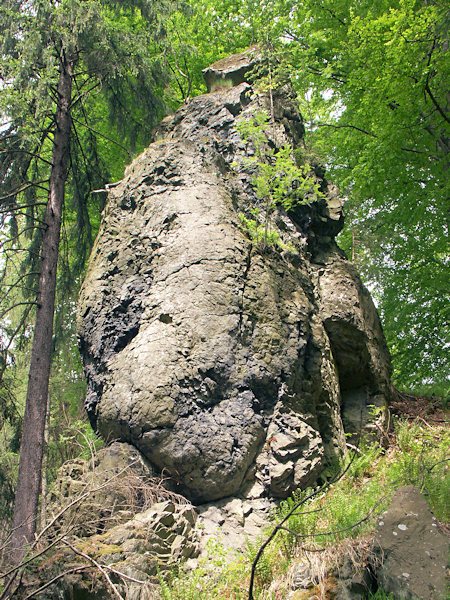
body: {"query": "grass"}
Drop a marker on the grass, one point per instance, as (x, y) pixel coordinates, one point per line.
(381, 595)
(418, 456)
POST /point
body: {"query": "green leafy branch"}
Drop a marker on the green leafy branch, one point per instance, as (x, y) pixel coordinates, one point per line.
(279, 180)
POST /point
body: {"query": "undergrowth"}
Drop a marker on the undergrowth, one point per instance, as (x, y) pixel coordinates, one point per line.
(328, 522)
(381, 595)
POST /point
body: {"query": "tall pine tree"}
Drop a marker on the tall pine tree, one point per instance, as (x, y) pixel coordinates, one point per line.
(56, 55)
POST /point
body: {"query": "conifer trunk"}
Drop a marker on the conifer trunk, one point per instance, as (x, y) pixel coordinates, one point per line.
(31, 449)
(44, 482)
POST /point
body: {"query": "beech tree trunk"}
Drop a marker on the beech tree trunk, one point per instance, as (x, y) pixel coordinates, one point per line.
(31, 450)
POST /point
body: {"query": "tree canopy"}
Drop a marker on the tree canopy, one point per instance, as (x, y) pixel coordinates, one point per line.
(386, 143)
(371, 80)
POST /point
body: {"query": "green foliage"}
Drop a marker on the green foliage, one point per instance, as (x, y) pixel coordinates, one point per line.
(8, 474)
(265, 566)
(261, 236)
(337, 516)
(365, 490)
(278, 180)
(10, 432)
(201, 35)
(382, 70)
(372, 478)
(165, 589)
(219, 575)
(422, 461)
(435, 392)
(371, 83)
(380, 595)
(116, 94)
(363, 463)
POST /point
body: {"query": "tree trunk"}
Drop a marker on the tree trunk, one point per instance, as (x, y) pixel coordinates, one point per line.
(31, 449)
(44, 482)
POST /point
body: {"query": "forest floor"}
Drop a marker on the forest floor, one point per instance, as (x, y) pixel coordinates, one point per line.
(416, 453)
(411, 407)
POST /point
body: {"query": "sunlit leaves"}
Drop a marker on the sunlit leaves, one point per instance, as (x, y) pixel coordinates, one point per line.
(372, 84)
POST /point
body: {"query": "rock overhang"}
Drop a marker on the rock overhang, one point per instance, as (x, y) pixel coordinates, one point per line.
(232, 70)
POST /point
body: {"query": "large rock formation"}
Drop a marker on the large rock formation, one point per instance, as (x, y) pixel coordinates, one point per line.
(231, 367)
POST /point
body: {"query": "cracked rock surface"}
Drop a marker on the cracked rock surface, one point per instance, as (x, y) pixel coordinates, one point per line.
(231, 368)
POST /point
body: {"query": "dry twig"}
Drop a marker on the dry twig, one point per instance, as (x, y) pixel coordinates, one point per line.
(99, 567)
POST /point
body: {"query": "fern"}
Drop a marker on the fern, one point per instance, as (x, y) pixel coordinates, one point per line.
(165, 589)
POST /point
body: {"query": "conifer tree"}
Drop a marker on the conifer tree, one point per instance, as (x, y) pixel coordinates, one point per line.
(55, 56)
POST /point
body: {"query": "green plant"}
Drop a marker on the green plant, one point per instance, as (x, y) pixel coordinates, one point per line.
(278, 180)
(422, 460)
(264, 568)
(363, 464)
(165, 589)
(300, 523)
(219, 574)
(418, 457)
(259, 234)
(373, 476)
(380, 595)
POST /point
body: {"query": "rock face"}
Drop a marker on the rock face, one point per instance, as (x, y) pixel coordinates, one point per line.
(232, 70)
(413, 552)
(231, 367)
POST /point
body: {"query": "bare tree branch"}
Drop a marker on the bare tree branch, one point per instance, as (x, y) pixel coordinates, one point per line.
(84, 124)
(28, 153)
(286, 517)
(347, 127)
(435, 102)
(22, 189)
(10, 308)
(328, 533)
(99, 567)
(60, 576)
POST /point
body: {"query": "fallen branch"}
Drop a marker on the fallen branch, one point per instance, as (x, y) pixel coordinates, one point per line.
(127, 577)
(25, 562)
(279, 526)
(80, 498)
(27, 558)
(60, 576)
(99, 567)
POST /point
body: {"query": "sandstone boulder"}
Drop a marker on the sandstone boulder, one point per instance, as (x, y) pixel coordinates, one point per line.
(231, 367)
